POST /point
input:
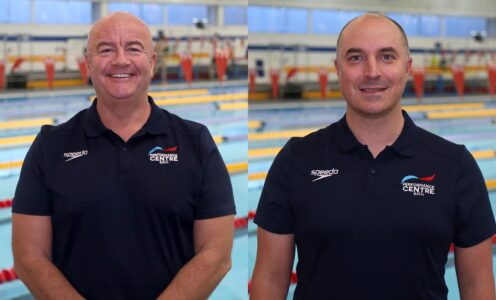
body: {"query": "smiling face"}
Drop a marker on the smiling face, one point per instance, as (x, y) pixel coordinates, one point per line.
(120, 57)
(372, 65)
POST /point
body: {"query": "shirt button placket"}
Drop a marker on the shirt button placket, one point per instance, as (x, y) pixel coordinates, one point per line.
(124, 159)
(371, 181)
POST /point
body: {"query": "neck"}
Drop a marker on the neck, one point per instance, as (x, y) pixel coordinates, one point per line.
(376, 132)
(123, 117)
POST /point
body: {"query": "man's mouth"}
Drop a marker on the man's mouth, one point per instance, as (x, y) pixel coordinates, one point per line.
(373, 89)
(120, 75)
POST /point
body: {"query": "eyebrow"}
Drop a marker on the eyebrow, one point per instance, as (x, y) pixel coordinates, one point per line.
(133, 43)
(354, 50)
(100, 44)
(360, 50)
(389, 49)
(130, 43)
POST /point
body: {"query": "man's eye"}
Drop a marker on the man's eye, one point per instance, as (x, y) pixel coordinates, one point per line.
(105, 51)
(355, 58)
(134, 50)
(388, 57)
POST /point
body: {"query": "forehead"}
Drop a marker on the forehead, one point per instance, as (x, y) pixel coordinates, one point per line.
(120, 31)
(371, 33)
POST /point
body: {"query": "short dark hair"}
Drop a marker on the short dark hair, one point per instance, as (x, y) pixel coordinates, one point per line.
(402, 32)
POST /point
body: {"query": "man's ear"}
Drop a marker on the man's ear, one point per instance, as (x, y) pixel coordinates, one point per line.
(336, 66)
(153, 61)
(409, 63)
(87, 60)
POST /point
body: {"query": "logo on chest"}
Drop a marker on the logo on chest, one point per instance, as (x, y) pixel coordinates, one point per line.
(418, 186)
(74, 155)
(321, 174)
(163, 156)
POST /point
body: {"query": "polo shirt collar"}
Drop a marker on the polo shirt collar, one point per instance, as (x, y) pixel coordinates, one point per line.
(345, 139)
(404, 144)
(93, 125)
(156, 124)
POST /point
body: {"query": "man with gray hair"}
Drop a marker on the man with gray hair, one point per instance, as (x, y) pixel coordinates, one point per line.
(125, 200)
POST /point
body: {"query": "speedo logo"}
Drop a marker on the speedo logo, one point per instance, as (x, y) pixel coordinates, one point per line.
(418, 188)
(321, 174)
(74, 155)
(163, 156)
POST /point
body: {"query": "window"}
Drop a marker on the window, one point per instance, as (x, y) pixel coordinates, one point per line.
(463, 26)
(152, 13)
(148, 12)
(185, 14)
(410, 23)
(277, 19)
(62, 12)
(15, 11)
(132, 8)
(235, 15)
(430, 26)
(418, 25)
(330, 21)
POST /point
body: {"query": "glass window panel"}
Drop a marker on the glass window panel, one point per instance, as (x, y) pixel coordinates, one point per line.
(277, 19)
(295, 20)
(235, 15)
(410, 23)
(184, 14)
(419, 25)
(264, 19)
(15, 11)
(331, 21)
(152, 13)
(430, 26)
(62, 12)
(132, 8)
(463, 26)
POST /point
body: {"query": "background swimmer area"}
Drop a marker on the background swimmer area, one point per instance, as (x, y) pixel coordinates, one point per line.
(222, 109)
(471, 122)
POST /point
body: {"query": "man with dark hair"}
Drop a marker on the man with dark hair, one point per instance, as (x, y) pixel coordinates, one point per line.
(125, 200)
(373, 202)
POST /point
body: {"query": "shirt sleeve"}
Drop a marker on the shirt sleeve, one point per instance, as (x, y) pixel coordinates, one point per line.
(216, 195)
(274, 212)
(32, 196)
(474, 216)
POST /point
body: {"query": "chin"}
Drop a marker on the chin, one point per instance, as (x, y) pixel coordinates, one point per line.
(122, 93)
(371, 108)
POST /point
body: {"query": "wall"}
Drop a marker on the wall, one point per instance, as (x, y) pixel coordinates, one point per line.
(53, 39)
(422, 48)
(482, 8)
(275, 58)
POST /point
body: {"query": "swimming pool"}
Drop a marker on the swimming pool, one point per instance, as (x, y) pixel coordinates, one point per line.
(271, 124)
(221, 109)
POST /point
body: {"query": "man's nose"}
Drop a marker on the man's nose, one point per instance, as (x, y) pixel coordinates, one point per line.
(120, 58)
(371, 68)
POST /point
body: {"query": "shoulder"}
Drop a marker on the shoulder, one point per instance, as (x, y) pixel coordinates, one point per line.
(311, 142)
(52, 140)
(440, 147)
(190, 133)
(66, 129)
(182, 126)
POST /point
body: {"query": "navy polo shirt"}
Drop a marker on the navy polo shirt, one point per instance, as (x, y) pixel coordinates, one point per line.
(123, 212)
(378, 228)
